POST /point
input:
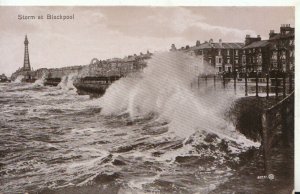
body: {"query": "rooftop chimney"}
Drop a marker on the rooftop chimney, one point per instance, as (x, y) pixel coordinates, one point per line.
(272, 34)
(249, 39)
(285, 28)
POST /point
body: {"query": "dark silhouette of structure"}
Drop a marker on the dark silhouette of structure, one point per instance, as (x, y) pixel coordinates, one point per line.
(26, 72)
(26, 66)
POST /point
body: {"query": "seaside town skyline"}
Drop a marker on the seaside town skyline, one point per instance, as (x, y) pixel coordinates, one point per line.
(108, 36)
(148, 99)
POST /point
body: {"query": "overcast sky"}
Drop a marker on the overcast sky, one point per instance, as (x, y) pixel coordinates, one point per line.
(107, 32)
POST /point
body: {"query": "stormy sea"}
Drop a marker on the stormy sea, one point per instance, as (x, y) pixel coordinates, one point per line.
(149, 133)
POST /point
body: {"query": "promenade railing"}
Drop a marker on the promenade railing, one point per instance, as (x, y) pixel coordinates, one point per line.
(276, 85)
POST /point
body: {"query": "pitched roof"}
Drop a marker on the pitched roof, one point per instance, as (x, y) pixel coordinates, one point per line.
(256, 44)
(229, 45)
(223, 45)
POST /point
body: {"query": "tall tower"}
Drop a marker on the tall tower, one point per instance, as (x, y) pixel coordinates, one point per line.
(26, 66)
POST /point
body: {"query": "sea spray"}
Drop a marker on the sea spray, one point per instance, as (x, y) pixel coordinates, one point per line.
(19, 79)
(41, 81)
(164, 89)
(66, 82)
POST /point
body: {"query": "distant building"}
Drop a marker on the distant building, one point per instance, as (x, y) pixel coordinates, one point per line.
(26, 65)
(253, 56)
(275, 54)
(256, 55)
(282, 49)
(223, 56)
(117, 66)
(3, 78)
(26, 70)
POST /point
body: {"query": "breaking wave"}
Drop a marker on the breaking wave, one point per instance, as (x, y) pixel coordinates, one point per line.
(165, 89)
(18, 79)
(41, 81)
(155, 133)
(67, 82)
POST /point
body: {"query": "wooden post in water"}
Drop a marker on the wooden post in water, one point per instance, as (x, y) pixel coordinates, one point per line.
(267, 85)
(283, 84)
(256, 84)
(214, 81)
(246, 84)
(206, 80)
(198, 81)
(276, 84)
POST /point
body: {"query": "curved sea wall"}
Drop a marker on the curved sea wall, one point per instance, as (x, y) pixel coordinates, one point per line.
(246, 114)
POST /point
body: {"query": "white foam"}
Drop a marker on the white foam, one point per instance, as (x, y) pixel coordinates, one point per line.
(41, 81)
(165, 88)
(19, 79)
(66, 82)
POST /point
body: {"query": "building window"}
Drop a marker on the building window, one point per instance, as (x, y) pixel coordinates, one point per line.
(219, 52)
(228, 52)
(236, 61)
(244, 60)
(249, 51)
(292, 66)
(253, 50)
(274, 56)
(259, 50)
(244, 51)
(228, 61)
(291, 42)
(259, 69)
(236, 52)
(220, 60)
(283, 66)
(220, 69)
(200, 52)
(283, 56)
(259, 59)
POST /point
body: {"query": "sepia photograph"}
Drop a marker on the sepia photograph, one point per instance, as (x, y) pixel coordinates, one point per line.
(147, 99)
